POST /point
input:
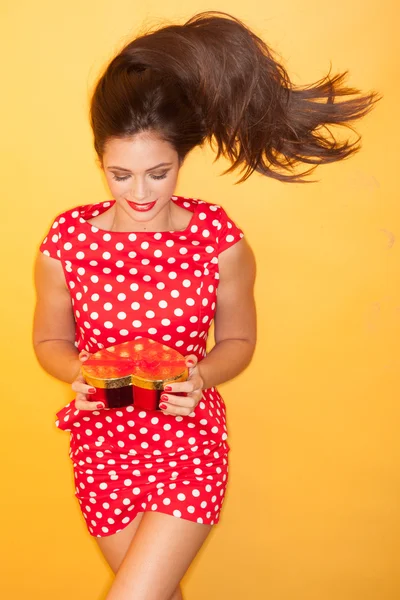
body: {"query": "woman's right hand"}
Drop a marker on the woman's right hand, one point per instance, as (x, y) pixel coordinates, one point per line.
(83, 390)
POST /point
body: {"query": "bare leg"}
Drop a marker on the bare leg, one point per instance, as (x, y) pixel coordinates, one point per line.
(164, 547)
(114, 548)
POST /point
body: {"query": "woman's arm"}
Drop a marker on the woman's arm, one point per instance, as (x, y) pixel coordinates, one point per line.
(235, 317)
(54, 324)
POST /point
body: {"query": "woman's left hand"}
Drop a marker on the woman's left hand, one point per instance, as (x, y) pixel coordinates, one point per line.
(193, 387)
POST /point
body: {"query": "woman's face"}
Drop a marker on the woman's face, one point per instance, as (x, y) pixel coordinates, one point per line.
(141, 173)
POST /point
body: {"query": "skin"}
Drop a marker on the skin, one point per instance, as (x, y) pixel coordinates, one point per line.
(151, 555)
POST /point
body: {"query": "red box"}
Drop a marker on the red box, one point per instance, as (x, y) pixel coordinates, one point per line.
(134, 372)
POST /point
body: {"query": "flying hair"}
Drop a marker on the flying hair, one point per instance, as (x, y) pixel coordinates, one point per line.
(214, 80)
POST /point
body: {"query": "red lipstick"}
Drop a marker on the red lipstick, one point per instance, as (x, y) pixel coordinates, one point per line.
(142, 207)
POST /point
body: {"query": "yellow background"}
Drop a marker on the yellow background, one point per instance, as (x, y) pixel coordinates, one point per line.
(312, 509)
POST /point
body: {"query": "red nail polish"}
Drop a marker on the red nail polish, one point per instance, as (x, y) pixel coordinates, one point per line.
(163, 406)
(164, 397)
(190, 362)
(168, 388)
(99, 405)
(92, 390)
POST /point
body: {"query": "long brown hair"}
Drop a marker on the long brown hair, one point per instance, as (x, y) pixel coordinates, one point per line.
(212, 79)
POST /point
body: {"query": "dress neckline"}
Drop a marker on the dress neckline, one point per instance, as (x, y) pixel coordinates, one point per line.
(88, 211)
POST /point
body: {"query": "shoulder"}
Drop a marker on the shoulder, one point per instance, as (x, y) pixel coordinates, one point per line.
(82, 212)
(67, 222)
(210, 214)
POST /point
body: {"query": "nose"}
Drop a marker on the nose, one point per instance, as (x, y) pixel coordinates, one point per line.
(139, 191)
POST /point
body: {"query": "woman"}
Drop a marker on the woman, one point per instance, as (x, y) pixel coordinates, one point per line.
(149, 263)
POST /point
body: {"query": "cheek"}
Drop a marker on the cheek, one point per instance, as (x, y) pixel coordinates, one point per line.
(167, 186)
(117, 187)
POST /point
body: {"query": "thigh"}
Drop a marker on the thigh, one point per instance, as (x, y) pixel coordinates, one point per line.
(114, 547)
(163, 548)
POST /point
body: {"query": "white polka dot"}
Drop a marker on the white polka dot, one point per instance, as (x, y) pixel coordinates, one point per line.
(177, 513)
(106, 255)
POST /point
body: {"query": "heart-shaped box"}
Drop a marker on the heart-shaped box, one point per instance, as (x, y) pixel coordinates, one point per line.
(134, 372)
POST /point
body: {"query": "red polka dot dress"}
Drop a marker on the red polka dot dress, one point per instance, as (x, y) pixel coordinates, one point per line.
(161, 285)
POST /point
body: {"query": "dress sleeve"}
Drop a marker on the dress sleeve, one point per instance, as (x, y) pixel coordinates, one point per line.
(50, 246)
(229, 233)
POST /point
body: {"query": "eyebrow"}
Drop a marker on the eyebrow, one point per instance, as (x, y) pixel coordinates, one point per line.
(163, 164)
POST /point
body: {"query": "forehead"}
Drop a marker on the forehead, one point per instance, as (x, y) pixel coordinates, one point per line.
(141, 151)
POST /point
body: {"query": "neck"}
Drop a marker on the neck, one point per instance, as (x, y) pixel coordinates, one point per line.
(123, 220)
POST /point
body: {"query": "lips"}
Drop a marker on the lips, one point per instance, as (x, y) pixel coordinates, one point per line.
(141, 207)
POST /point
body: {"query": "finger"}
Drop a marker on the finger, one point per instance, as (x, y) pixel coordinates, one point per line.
(176, 410)
(81, 403)
(84, 355)
(191, 360)
(181, 401)
(79, 386)
(181, 386)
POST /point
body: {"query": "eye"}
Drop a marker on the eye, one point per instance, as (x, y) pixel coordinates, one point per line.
(163, 176)
(120, 178)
